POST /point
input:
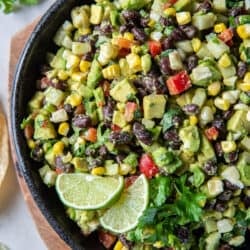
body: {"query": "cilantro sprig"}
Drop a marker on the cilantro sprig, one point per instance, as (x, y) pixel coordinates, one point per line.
(173, 204)
(8, 6)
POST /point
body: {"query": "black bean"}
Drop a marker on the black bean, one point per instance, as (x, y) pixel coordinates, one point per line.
(131, 16)
(177, 121)
(246, 201)
(88, 56)
(165, 66)
(90, 151)
(44, 69)
(139, 34)
(68, 108)
(205, 7)
(81, 121)
(119, 138)
(221, 126)
(64, 167)
(144, 22)
(128, 244)
(225, 196)
(225, 247)
(167, 21)
(37, 154)
(210, 167)
(191, 109)
(189, 30)
(124, 28)
(59, 84)
(142, 134)
(236, 11)
(241, 69)
(103, 151)
(177, 35)
(227, 114)
(152, 84)
(192, 62)
(106, 29)
(167, 43)
(210, 204)
(119, 158)
(231, 157)
(218, 149)
(142, 92)
(230, 186)
(173, 139)
(220, 207)
(183, 234)
(108, 111)
(44, 83)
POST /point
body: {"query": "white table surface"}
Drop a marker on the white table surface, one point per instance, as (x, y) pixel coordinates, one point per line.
(17, 230)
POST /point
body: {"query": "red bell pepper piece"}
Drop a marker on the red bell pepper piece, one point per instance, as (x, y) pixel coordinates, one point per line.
(154, 48)
(169, 3)
(115, 128)
(130, 109)
(147, 166)
(226, 36)
(212, 133)
(178, 83)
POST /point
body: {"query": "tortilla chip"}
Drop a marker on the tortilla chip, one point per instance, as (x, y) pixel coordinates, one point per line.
(4, 147)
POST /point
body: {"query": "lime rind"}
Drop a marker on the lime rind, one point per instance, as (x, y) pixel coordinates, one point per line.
(124, 215)
(88, 192)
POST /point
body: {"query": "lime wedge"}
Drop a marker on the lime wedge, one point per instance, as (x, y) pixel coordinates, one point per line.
(124, 215)
(88, 192)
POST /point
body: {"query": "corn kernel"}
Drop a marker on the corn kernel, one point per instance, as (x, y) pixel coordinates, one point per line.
(183, 17)
(158, 244)
(98, 171)
(111, 72)
(170, 12)
(63, 75)
(124, 169)
(63, 128)
(135, 49)
(218, 28)
(58, 148)
(134, 62)
(151, 23)
(224, 61)
(247, 77)
(244, 31)
(84, 31)
(196, 44)
(119, 246)
(72, 61)
(129, 36)
(214, 88)
(244, 87)
(193, 120)
(120, 106)
(78, 77)
(228, 146)
(84, 66)
(31, 144)
(74, 99)
(221, 104)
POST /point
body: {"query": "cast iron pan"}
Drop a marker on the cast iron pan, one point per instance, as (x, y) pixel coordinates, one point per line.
(33, 56)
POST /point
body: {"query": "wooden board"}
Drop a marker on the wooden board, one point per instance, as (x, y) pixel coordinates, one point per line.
(50, 237)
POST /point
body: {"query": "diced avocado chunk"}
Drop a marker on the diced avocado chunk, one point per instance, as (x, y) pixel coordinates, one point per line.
(111, 168)
(80, 164)
(237, 241)
(224, 226)
(146, 63)
(50, 157)
(204, 21)
(133, 4)
(185, 98)
(36, 102)
(190, 138)
(54, 96)
(166, 160)
(220, 5)
(122, 91)
(95, 74)
(181, 4)
(232, 174)
(99, 96)
(154, 106)
(85, 91)
(212, 241)
(96, 13)
(214, 186)
(244, 167)
(44, 129)
(210, 225)
(216, 46)
(91, 111)
(206, 150)
(131, 160)
(245, 143)
(238, 122)
(198, 176)
(58, 62)
(48, 176)
(119, 119)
